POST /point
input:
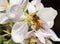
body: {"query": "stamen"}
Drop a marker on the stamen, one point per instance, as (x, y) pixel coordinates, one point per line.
(29, 18)
(5, 5)
(33, 40)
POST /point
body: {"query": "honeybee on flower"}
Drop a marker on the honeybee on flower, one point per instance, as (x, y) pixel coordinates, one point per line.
(31, 19)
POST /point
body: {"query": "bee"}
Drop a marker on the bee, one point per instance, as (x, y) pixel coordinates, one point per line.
(37, 22)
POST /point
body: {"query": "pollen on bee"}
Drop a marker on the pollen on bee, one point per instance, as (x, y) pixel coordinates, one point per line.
(37, 22)
(37, 25)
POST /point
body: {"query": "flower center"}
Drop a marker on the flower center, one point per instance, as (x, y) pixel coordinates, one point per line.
(5, 5)
(35, 20)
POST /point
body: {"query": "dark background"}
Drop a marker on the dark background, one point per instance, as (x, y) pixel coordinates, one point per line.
(56, 5)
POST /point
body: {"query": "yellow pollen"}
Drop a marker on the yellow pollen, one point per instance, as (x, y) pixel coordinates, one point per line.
(5, 5)
(33, 40)
(29, 18)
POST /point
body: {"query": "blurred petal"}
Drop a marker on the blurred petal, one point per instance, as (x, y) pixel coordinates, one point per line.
(31, 8)
(22, 42)
(48, 42)
(13, 2)
(47, 14)
(2, 2)
(3, 18)
(34, 2)
(19, 32)
(14, 9)
(24, 4)
(45, 34)
(2, 9)
(28, 34)
(54, 37)
(37, 4)
(15, 12)
(40, 36)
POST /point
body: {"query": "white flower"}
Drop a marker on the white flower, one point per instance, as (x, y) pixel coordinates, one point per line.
(47, 15)
(14, 10)
(3, 4)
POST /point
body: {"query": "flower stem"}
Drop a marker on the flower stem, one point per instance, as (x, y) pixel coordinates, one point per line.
(6, 32)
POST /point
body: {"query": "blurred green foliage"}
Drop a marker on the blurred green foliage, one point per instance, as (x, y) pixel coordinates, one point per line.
(5, 37)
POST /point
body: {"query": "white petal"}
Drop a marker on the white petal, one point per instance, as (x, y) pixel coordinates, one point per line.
(2, 1)
(25, 2)
(2, 9)
(13, 2)
(11, 15)
(19, 32)
(3, 18)
(38, 4)
(34, 2)
(15, 12)
(28, 34)
(45, 34)
(22, 42)
(31, 8)
(54, 37)
(50, 24)
(47, 14)
(41, 31)
(15, 9)
(48, 42)
(40, 37)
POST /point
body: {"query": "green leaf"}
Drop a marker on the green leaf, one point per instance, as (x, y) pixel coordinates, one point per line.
(5, 42)
(11, 24)
(2, 39)
(10, 41)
